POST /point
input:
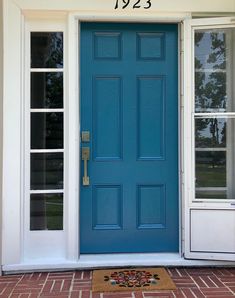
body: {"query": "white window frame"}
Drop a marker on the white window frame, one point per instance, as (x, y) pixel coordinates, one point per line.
(189, 115)
(192, 205)
(55, 240)
(218, 115)
(29, 251)
(21, 246)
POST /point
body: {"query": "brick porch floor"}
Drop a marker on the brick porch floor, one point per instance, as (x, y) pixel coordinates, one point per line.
(190, 282)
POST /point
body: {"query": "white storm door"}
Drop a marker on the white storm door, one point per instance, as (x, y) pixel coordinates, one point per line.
(209, 135)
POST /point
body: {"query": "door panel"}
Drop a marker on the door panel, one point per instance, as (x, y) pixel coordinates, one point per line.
(214, 242)
(129, 103)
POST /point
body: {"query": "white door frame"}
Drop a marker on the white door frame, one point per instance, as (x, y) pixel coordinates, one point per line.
(74, 30)
(14, 169)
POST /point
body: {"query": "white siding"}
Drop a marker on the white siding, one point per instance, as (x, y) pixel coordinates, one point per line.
(1, 99)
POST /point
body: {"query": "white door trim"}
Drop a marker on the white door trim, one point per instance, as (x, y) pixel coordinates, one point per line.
(13, 127)
(195, 207)
(14, 105)
(75, 21)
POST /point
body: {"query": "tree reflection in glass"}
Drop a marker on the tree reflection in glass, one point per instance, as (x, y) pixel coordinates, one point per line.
(214, 135)
(210, 71)
(210, 132)
(47, 131)
(46, 90)
(46, 49)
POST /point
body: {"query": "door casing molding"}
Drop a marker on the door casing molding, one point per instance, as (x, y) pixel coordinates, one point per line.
(14, 172)
(74, 29)
(15, 20)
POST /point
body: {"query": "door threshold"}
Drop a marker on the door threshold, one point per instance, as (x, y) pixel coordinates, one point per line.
(92, 261)
(144, 259)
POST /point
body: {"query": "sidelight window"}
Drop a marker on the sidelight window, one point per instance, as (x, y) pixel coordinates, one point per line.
(214, 114)
(47, 131)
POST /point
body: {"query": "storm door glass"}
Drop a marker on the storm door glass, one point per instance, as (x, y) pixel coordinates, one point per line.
(47, 131)
(214, 117)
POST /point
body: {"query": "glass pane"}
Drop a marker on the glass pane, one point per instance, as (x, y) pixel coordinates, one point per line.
(210, 133)
(214, 70)
(46, 90)
(46, 49)
(211, 169)
(46, 171)
(211, 194)
(215, 158)
(46, 212)
(210, 49)
(46, 130)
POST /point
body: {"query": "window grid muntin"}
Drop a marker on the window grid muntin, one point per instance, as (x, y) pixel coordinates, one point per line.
(46, 110)
(201, 115)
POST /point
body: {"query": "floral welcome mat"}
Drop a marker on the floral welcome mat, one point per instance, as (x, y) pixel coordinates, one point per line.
(143, 279)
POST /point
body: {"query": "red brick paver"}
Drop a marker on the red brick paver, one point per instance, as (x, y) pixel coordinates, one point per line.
(190, 282)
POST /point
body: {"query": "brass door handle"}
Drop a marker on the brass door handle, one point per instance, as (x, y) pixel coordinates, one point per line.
(85, 158)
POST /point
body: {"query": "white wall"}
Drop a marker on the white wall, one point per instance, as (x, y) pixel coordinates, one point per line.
(1, 96)
(108, 5)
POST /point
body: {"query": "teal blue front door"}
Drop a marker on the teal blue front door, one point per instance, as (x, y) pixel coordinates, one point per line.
(129, 106)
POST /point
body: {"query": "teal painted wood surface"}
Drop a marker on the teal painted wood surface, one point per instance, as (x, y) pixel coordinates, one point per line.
(129, 103)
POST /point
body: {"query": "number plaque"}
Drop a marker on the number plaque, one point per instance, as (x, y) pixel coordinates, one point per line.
(146, 4)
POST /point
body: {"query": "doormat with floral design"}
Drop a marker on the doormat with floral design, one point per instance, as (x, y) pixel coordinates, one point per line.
(143, 279)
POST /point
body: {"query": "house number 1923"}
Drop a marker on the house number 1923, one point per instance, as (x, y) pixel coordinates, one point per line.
(146, 4)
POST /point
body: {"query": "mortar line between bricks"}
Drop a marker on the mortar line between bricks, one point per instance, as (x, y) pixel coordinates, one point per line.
(228, 289)
(195, 283)
(71, 285)
(46, 279)
(183, 293)
(169, 272)
(194, 293)
(212, 281)
(178, 272)
(3, 289)
(39, 276)
(52, 286)
(203, 281)
(61, 286)
(221, 272)
(227, 271)
(191, 279)
(11, 293)
(214, 274)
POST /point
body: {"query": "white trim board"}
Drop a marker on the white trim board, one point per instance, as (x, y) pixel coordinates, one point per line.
(224, 209)
(74, 24)
(13, 243)
(112, 260)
